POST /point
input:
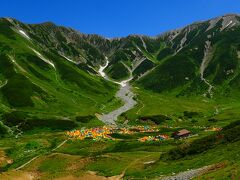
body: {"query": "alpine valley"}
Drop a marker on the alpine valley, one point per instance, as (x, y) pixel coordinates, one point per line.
(163, 107)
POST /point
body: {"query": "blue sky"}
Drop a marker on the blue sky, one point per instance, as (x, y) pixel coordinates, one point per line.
(117, 18)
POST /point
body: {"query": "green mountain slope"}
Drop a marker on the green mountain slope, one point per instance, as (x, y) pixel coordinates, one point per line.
(42, 83)
(187, 78)
(52, 71)
(202, 58)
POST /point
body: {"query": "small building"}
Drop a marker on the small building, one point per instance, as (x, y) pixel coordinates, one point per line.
(181, 134)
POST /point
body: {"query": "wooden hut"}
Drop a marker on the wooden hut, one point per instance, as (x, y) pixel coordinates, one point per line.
(181, 134)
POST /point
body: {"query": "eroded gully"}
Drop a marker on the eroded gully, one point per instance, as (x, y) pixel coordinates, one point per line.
(124, 93)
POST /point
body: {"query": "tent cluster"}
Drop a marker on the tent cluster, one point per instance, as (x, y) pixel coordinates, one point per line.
(102, 133)
(154, 138)
(124, 131)
(99, 133)
(145, 128)
(213, 129)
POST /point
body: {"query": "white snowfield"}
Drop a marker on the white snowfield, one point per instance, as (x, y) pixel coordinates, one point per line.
(77, 63)
(43, 58)
(103, 74)
(125, 82)
(101, 69)
(24, 34)
(69, 59)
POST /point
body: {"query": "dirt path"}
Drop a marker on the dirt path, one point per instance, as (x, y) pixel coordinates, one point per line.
(25, 164)
(187, 175)
(22, 166)
(126, 96)
(60, 145)
(139, 110)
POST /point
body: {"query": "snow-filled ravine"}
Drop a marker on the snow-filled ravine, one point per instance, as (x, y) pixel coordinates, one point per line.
(124, 93)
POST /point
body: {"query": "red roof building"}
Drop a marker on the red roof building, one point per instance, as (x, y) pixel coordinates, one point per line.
(181, 134)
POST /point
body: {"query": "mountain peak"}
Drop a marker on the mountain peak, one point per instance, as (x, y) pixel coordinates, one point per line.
(48, 23)
(231, 15)
(9, 19)
(227, 21)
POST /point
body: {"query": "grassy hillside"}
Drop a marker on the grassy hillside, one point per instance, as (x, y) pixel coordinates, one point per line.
(150, 159)
(44, 85)
(183, 79)
(193, 50)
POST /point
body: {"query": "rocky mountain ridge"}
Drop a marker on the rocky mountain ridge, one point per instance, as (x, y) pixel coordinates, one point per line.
(199, 59)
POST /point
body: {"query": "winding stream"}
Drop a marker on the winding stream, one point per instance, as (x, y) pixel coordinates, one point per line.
(124, 93)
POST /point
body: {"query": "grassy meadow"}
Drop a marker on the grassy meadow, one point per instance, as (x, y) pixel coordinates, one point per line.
(126, 156)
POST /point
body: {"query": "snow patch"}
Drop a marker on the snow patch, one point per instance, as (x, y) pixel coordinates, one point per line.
(134, 52)
(24, 34)
(224, 25)
(101, 70)
(138, 48)
(90, 68)
(124, 83)
(43, 58)
(144, 44)
(238, 53)
(103, 74)
(69, 59)
(230, 71)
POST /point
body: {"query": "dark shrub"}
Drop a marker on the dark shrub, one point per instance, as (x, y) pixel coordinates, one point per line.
(53, 124)
(14, 118)
(157, 119)
(3, 130)
(25, 123)
(84, 119)
(18, 91)
(190, 114)
(212, 120)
